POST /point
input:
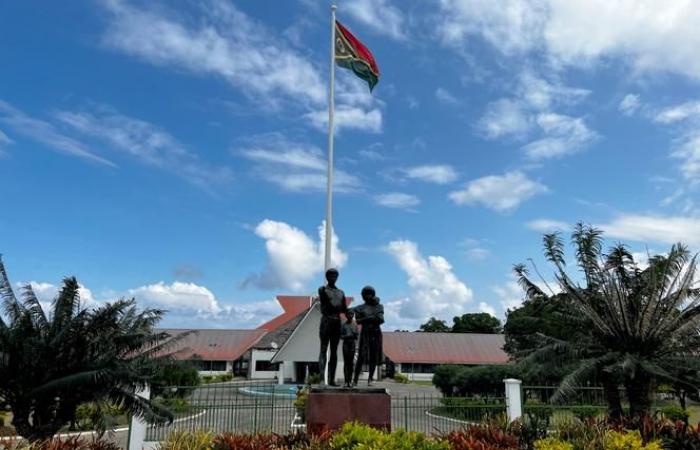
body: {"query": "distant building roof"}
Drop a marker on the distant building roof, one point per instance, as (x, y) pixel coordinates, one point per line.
(215, 345)
(444, 348)
(276, 338)
(292, 306)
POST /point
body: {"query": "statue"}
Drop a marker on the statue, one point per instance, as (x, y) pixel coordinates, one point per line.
(348, 333)
(369, 316)
(333, 304)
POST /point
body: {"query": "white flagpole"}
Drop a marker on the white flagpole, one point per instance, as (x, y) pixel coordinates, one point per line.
(329, 186)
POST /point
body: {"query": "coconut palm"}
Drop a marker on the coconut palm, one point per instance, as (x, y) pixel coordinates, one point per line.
(52, 362)
(631, 326)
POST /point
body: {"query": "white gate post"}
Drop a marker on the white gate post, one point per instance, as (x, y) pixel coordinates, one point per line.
(514, 402)
(137, 427)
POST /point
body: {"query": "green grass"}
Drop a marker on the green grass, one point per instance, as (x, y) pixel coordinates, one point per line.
(421, 382)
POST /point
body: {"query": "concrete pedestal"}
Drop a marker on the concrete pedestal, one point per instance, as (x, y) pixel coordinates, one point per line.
(330, 408)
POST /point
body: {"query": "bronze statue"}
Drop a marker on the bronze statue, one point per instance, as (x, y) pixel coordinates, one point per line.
(333, 304)
(348, 333)
(369, 316)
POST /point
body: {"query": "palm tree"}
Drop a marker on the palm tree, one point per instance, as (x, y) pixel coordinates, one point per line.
(630, 326)
(51, 363)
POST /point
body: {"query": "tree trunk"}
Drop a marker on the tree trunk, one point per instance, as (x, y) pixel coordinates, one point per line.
(639, 394)
(612, 397)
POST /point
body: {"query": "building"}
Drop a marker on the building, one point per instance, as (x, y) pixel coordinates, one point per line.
(216, 351)
(286, 348)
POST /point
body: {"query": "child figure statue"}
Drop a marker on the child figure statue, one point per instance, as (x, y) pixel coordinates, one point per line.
(348, 334)
(369, 316)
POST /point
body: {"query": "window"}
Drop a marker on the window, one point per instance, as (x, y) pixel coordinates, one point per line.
(266, 366)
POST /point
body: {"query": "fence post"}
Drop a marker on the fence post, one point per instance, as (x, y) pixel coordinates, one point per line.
(514, 402)
(137, 426)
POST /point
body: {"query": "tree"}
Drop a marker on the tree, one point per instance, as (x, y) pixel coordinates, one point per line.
(476, 323)
(434, 325)
(629, 326)
(52, 363)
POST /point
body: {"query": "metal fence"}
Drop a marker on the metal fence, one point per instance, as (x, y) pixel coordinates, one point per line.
(250, 408)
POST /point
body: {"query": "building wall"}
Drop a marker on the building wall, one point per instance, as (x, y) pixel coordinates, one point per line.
(262, 356)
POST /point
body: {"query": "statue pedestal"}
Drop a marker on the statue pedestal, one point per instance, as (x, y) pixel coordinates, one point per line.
(330, 408)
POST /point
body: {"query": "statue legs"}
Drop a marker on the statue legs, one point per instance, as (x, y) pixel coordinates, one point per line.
(330, 335)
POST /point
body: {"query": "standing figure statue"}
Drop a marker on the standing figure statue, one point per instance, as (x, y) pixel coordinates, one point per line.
(369, 316)
(333, 304)
(349, 336)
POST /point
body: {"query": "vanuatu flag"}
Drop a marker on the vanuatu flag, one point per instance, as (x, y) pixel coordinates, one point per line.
(352, 54)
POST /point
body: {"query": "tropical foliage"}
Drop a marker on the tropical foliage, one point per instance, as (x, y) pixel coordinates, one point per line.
(53, 361)
(466, 323)
(629, 325)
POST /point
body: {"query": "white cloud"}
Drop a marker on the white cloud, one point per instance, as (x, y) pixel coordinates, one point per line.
(564, 135)
(478, 253)
(444, 96)
(294, 167)
(651, 228)
(488, 309)
(548, 225)
(689, 153)
(4, 140)
(348, 117)
(630, 104)
(510, 295)
(540, 94)
(436, 290)
(224, 42)
(650, 35)
(293, 257)
(498, 192)
(431, 173)
(678, 113)
(177, 296)
(47, 292)
(379, 15)
(505, 117)
(397, 200)
(147, 143)
(47, 134)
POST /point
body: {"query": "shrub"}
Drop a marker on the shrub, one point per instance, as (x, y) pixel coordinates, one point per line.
(675, 413)
(188, 440)
(400, 378)
(355, 436)
(586, 412)
(313, 378)
(481, 437)
(631, 440)
(71, 443)
(552, 444)
(176, 373)
(206, 379)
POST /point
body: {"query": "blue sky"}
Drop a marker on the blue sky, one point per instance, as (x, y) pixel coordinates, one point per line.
(175, 151)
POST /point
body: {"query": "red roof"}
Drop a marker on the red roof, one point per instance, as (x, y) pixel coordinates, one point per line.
(215, 345)
(444, 348)
(293, 305)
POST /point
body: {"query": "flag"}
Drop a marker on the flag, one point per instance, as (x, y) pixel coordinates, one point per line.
(352, 54)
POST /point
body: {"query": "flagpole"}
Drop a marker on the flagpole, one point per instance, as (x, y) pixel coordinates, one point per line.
(329, 185)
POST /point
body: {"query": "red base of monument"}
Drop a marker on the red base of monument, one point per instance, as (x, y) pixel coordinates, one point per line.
(329, 409)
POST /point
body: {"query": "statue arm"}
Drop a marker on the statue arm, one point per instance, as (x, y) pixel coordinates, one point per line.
(380, 314)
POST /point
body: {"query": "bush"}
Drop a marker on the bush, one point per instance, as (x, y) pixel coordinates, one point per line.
(552, 444)
(71, 443)
(314, 378)
(586, 412)
(481, 437)
(206, 379)
(355, 436)
(675, 413)
(188, 440)
(176, 373)
(628, 441)
(400, 378)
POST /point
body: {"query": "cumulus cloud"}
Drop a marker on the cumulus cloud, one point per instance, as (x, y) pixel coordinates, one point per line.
(563, 135)
(348, 117)
(629, 104)
(501, 193)
(650, 228)
(431, 173)
(650, 36)
(293, 257)
(505, 117)
(435, 289)
(294, 166)
(548, 225)
(178, 296)
(397, 200)
(510, 295)
(148, 143)
(381, 16)
(47, 134)
(488, 309)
